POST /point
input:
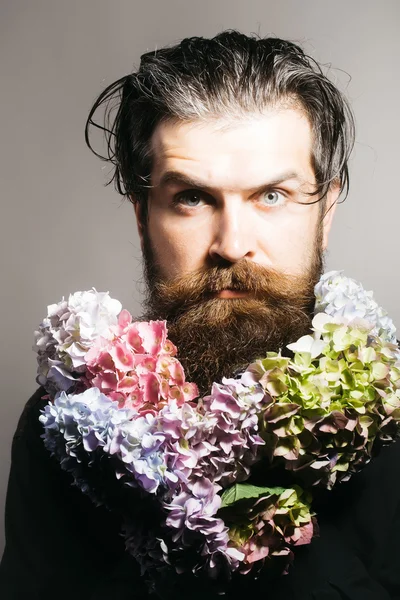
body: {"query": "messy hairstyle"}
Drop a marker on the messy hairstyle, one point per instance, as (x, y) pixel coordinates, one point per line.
(225, 77)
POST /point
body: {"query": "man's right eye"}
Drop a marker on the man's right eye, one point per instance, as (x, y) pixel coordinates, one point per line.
(189, 198)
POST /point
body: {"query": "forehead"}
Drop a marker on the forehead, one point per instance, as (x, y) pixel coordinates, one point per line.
(228, 155)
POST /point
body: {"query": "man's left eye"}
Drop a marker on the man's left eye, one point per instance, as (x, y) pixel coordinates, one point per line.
(273, 198)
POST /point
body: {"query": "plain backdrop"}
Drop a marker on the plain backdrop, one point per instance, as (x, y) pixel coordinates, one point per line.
(63, 231)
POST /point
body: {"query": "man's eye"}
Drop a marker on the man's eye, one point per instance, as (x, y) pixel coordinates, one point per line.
(190, 199)
(273, 199)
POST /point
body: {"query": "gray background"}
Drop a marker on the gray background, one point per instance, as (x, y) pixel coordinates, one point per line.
(62, 231)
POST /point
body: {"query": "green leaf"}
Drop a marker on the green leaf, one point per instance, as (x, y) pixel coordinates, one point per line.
(242, 491)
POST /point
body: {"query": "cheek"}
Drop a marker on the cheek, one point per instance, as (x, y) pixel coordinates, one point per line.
(289, 244)
(178, 250)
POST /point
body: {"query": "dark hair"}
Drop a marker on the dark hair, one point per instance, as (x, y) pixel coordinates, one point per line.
(227, 76)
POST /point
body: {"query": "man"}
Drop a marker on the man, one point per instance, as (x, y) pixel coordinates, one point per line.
(233, 151)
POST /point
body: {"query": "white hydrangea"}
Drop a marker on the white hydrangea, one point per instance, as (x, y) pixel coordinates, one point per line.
(68, 332)
(343, 297)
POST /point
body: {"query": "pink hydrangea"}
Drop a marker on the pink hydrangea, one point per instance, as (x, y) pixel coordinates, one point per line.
(138, 367)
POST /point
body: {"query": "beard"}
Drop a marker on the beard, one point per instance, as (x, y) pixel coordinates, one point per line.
(219, 337)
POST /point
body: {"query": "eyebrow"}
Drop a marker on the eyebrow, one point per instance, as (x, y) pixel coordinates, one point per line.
(177, 178)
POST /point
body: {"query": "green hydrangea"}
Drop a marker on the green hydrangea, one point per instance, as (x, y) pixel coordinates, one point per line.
(331, 403)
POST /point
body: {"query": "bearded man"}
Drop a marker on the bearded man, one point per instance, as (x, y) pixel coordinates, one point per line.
(234, 152)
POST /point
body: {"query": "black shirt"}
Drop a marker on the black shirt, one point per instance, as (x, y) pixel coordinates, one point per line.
(60, 545)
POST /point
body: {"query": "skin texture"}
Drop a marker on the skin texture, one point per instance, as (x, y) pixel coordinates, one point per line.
(228, 217)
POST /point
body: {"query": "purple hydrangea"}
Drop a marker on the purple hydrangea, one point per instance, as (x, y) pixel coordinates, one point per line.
(187, 453)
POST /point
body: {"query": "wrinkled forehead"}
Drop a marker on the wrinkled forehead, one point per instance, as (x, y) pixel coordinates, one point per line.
(230, 154)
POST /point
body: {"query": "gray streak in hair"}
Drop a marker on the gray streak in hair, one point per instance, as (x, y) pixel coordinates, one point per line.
(227, 77)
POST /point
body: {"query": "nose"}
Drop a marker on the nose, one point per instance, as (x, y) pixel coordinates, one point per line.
(234, 237)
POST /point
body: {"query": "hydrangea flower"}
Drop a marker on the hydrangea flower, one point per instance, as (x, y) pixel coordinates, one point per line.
(265, 522)
(87, 419)
(68, 332)
(341, 296)
(139, 446)
(194, 513)
(117, 390)
(338, 394)
(137, 367)
(88, 341)
(91, 420)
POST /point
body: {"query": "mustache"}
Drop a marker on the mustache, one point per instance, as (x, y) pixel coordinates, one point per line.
(260, 282)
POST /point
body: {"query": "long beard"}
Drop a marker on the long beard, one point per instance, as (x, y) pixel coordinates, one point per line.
(219, 337)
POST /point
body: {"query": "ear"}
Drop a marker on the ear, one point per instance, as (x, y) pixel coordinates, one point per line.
(329, 212)
(137, 208)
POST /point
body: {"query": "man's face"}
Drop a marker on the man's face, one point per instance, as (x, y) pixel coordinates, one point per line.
(228, 205)
(243, 202)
